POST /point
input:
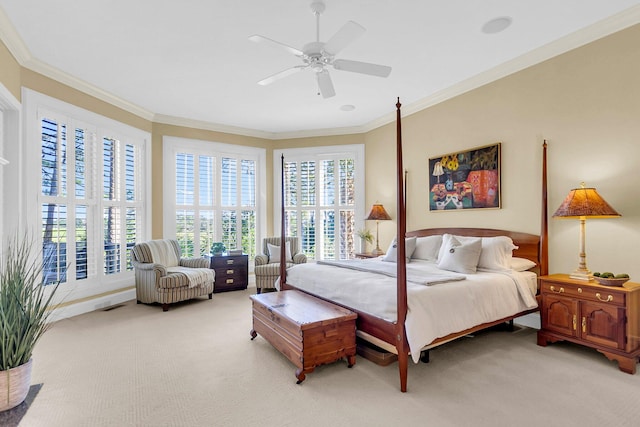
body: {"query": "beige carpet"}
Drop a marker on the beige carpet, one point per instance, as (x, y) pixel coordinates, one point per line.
(196, 366)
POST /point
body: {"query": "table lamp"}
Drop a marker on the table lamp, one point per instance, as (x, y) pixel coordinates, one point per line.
(582, 203)
(378, 214)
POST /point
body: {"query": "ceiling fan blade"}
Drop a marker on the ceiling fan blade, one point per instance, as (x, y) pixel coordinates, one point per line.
(345, 36)
(324, 84)
(281, 74)
(259, 39)
(362, 67)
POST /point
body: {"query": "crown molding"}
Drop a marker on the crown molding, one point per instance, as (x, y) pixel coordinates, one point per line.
(217, 127)
(12, 40)
(88, 88)
(600, 29)
(21, 53)
(579, 38)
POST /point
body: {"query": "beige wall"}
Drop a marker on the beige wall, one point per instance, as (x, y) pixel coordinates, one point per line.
(586, 103)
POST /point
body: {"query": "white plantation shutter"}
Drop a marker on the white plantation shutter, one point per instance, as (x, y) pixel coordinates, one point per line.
(121, 200)
(215, 201)
(320, 200)
(75, 166)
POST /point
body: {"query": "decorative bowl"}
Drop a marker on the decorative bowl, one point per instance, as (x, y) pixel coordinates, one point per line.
(611, 281)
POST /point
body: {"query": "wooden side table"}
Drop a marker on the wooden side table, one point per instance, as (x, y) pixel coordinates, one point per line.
(606, 318)
(232, 272)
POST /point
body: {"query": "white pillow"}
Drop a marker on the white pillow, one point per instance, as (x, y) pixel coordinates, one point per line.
(461, 257)
(392, 252)
(496, 253)
(427, 247)
(521, 264)
(274, 252)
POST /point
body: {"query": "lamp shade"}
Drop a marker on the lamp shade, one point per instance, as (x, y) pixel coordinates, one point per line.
(585, 202)
(378, 213)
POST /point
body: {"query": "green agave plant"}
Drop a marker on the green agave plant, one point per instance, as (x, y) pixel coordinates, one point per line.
(24, 302)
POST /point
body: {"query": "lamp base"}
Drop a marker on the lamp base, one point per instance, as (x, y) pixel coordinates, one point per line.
(581, 274)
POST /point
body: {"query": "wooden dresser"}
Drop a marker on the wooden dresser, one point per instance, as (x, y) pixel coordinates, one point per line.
(232, 272)
(307, 330)
(606, 318)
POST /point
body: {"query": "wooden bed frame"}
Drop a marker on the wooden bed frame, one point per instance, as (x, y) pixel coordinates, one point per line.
(391, 335)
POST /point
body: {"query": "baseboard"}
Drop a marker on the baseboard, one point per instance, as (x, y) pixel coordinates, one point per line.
(98, 303)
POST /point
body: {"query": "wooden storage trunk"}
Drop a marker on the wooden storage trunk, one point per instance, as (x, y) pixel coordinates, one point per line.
(308, 331)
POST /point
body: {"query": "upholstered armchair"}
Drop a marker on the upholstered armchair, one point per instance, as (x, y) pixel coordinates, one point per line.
(163, 276)
(267, 265)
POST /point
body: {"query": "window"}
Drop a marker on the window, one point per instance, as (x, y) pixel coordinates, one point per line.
(216, 189)
(71, 213)
(91, 185)
(322, 206)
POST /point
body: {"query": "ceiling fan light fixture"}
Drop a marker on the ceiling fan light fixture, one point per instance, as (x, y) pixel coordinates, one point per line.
(318, 56)
(497, 25)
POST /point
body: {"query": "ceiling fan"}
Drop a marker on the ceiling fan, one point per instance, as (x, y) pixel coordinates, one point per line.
(319, 55)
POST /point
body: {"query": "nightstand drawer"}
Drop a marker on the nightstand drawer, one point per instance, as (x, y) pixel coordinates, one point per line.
(227, 261)
(601, 293)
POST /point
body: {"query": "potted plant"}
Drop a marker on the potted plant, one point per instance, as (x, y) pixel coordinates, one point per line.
(25, 309)
(365, 237)
(217, 248)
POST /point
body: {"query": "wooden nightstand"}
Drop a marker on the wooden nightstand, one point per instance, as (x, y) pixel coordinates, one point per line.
(606, 318)
(232, 272)
(364, 256)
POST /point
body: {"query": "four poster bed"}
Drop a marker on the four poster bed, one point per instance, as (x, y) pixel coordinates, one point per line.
(416, 307)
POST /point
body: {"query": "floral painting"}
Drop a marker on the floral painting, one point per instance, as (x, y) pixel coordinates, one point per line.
(465, 180)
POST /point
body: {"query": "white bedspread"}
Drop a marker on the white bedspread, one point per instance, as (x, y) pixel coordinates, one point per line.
(433, 311)
(419, 276)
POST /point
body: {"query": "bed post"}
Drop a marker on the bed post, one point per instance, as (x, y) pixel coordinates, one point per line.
(401, 337)
(283, 234)
(544, 232)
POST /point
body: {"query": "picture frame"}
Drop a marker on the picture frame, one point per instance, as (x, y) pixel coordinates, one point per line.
(465, 180)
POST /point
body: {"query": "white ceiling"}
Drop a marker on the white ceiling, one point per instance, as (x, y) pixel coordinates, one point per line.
(190, 61)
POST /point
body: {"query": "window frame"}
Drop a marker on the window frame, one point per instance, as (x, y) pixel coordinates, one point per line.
(10, 130)
(317, 154)
(37, 106)
(174, 145)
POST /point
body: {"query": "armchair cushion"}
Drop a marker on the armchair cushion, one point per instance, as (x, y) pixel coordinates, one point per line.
(274, 252)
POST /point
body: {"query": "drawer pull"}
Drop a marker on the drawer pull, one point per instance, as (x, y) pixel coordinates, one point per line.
(609, 297)
(575, 322)
(553, 289)
(230, 261)
(229, 281)
(229, 271)
(584, 325)
(579, 290)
